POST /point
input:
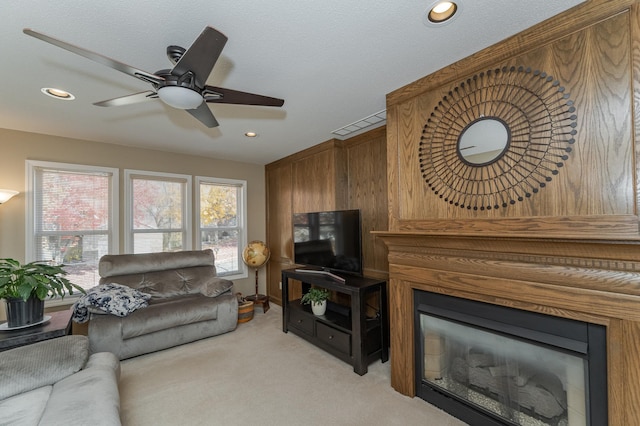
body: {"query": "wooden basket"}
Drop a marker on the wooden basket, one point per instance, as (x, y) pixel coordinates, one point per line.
(245, 309)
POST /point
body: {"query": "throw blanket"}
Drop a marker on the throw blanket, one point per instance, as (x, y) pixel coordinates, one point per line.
(115, 299)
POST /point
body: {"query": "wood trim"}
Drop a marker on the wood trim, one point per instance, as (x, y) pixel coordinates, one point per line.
(327, 145)
(562, 247)
(550, 276)
(599, 227)
(616, 372)
(324, 146)
(393, 174)
(634, 25)
(365, 138)
(341, 173)
(401, 332)
(631, 371)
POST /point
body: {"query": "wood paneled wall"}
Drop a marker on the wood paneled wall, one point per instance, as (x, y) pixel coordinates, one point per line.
(595, 193)
(333, 175)
(367, 190)
(573, 249)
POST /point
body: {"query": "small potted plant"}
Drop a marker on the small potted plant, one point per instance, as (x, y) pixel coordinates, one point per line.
(24, 288)
(317, 297)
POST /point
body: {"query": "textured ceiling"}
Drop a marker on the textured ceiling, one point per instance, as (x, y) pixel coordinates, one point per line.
(332, 61)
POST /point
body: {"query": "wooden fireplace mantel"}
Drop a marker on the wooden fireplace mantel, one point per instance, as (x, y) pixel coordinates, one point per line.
(591, 280)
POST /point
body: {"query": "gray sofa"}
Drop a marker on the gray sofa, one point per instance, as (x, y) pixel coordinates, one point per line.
(188, 302)
(56, 382)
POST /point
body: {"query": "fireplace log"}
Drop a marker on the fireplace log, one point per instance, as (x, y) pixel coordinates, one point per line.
(542, 394)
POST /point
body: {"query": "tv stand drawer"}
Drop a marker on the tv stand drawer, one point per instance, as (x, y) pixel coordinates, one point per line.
(335, 338)
(301, 320)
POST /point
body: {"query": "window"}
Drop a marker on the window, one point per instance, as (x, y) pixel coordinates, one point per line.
(72, 217)
(222, 222)
(158, 212)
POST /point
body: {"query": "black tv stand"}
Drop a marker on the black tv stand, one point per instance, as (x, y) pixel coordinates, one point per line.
(343, 331)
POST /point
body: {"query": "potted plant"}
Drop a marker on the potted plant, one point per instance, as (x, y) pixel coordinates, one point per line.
(317, 297)
(24, 288)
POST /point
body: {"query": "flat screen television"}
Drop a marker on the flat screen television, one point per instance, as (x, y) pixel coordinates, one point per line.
(329, 241)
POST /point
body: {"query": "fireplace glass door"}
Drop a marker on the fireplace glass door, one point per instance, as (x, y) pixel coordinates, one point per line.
(508, 372)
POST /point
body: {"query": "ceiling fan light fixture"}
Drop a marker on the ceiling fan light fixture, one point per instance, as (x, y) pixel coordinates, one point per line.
(182, 87)
(57, 93)
(180, 97)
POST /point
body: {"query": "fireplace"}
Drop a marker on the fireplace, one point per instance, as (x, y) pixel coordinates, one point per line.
(495, 365)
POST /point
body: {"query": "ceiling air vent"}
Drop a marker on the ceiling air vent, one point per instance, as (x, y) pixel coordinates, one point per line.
(367, 123)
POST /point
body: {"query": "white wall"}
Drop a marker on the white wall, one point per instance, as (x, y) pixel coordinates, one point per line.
(20, 146)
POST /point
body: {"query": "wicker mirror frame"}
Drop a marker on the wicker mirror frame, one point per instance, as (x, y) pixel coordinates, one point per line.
(541, 123)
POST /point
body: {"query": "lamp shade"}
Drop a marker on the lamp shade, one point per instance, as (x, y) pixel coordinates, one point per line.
(180, 97)
(6, 194)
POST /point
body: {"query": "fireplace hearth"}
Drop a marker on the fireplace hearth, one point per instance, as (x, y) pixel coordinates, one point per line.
(494, 365)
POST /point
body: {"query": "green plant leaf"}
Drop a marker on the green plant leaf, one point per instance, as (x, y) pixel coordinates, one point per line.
(315, 295)
(34, 278)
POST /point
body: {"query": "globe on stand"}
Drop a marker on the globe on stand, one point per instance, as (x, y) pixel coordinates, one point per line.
(255, 255)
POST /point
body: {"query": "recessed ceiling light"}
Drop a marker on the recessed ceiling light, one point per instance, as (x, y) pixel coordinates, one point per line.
(441, 12)
(57, 93)
(251, 134)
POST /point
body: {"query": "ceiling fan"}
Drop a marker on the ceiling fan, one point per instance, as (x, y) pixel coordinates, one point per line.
(181, 87)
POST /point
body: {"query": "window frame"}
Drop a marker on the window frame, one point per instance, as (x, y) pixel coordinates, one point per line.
(113, 231)
(187, 225)
(242, 219)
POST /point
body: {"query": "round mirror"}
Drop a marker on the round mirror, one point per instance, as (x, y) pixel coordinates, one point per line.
(483, 141)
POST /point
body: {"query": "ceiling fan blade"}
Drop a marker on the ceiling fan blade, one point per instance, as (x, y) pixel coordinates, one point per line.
(127, 69)
(227, 96)
(129, 99)
(201, 56)
(204, 115)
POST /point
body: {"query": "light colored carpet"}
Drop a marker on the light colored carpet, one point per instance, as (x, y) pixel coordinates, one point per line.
(259, 375)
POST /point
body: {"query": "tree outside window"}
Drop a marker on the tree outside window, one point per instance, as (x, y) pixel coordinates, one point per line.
(222, 222)
(158, 209)
(72, 218)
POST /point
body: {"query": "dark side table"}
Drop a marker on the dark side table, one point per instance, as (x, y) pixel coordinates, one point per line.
(59, 325)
